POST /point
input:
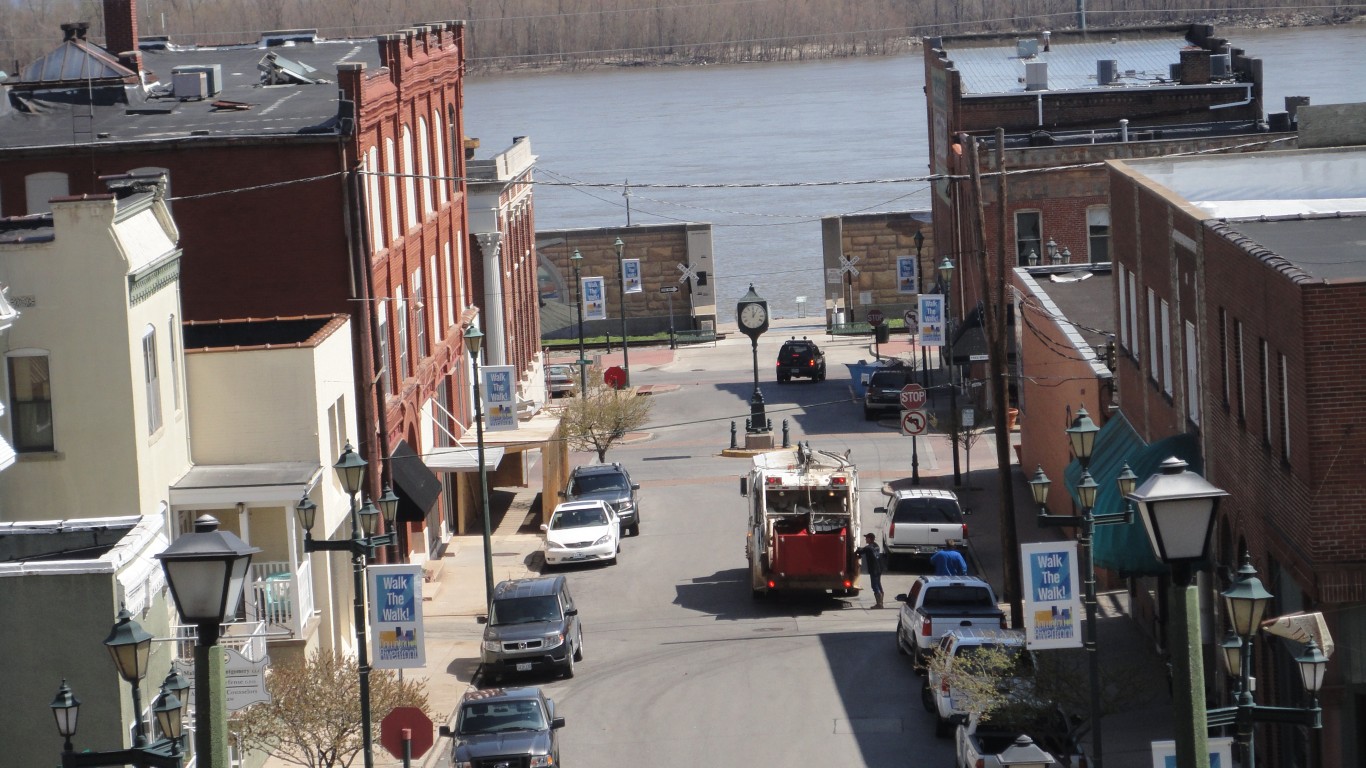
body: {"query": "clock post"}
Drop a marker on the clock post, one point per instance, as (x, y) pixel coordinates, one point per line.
(752, 316)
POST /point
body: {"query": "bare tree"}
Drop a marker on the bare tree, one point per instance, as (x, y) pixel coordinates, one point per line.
(601, 416)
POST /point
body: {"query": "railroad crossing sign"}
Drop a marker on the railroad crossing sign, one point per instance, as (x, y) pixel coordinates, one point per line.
(847, 265)
(913, 422)
(875, 317)
(912, 397)
(688, 273)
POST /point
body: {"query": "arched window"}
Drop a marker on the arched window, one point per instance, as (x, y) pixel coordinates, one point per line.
(390, 168)
(439, 141)
(426, 139)
(373, 203)
(409, 184)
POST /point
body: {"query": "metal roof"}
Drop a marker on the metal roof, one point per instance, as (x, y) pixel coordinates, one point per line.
(999, 69)
(1328, 248)
(1306, 181)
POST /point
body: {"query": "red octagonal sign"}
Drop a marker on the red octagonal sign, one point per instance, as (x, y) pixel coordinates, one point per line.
(912, 396)
(412, 719)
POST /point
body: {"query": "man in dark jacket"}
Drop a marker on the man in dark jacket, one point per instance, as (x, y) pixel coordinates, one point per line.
(872, 564)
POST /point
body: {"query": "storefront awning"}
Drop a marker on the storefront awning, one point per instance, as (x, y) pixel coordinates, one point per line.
(463, 459)
(970, 339)
(416, 486)
(1123, 548)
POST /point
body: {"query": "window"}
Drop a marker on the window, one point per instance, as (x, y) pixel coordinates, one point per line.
(40, 188)
(336, 427)
(1133, 314)
(437, 335)
(401, 321)
(173, 335)
(426, 164)
(1098, 233)
(1153, 362)
(30, 399)
(1193, 387)
(409, 180)
(1028, 236)
(1264, 371)
(451, 266)
(373, 201)
(152, 380)
(391, 167)
(1241, 392)
(1166, 331)
(1223, 353)
(1123, 308)
(386, 383)
(420, 314)
(1285, 407)
(439, 141)
(442, 397)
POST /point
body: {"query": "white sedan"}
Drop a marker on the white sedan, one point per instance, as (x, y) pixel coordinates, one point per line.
(582, 531)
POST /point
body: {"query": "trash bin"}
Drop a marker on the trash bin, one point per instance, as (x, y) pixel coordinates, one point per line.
(881, 333)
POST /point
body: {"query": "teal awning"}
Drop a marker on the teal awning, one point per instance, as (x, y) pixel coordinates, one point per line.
(1122, 548)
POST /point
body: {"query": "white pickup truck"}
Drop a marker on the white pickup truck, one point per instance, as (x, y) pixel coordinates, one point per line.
(983, 745)
(940, 696)
(937, 604)
(920, 521)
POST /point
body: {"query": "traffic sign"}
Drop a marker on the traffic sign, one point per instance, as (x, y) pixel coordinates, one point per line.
(614, 377)
(669, 289)
(412, 720)
(912, 396)
(911, 321)
(875, 317)
(913, 422)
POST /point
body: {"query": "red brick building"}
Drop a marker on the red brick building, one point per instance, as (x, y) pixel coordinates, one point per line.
(1241, 288)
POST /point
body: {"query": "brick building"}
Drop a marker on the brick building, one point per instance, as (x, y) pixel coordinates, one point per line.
(307, 176)
(1240, 289)
(878, 241)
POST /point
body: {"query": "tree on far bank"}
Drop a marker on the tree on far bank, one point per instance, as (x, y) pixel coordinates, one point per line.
(313, 718)
(599, 417)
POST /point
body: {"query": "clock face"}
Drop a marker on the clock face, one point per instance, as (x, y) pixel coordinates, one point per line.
(753, 315)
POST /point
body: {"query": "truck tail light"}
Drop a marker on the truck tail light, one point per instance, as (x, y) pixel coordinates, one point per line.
(891, 530)
(1003, 626)
(848, 583)
(965, 532)
(925, 625)
(944, 685)
(772, 584)
(981, 763)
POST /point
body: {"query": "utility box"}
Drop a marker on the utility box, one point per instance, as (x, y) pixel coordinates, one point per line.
(190, 86)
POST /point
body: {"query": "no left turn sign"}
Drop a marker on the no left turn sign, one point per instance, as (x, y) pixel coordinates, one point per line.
(913, 422)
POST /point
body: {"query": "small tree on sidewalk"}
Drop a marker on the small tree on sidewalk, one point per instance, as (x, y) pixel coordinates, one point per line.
(601, 416)
(313, 718)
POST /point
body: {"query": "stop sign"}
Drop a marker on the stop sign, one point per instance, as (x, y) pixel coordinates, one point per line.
(875, 317)
(912, 397)
(411, 719)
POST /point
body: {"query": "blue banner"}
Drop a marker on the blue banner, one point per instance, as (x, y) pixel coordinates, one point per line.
(1052, 605)
(396, 616)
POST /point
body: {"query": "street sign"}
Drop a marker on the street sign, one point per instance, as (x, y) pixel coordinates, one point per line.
(875, 317)
(913, 422)
(614, 377)
(912, 397)
(969, 417)
(669, 289)
(911, 321)
(688, 273)
(847, 266)
(410, 719)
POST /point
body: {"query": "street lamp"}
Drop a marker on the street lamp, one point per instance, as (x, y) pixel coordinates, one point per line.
(362, 544)
(576, 260)
(1246, 601)
(946, 276)
(1081, 438)
(1051, 247)
(1024, 753)
(474, 339)
(919, 238)
(129, 645)
(625, 348)
(206, 571)
(1177, 507)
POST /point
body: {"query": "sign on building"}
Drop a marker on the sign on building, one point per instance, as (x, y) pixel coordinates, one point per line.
(1052, 604)
(500, 397)
(396, 616)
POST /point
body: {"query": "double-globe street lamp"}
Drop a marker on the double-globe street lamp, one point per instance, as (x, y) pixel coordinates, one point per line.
(130, 646)
(1081, 438)
(474, 340)
(1178, 507)
(206, 571)
(362, 544)
(1246, 601)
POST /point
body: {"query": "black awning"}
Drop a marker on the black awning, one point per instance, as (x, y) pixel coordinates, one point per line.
(416, 486)
(970, 338)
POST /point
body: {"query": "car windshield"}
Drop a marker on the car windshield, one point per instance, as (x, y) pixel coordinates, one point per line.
(926, 511)
(524, 610)
(582, 517)
(608, 481)
(498, 716)
(561, 370)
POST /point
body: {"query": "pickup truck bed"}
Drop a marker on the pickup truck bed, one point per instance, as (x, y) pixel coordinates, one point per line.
(937, 604)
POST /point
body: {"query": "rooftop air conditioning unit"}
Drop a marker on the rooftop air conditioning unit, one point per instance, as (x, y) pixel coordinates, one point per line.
(190, 86)
(1026, 48)
(1106, 71)
(1036, 76)
(1220, 65)
(212, 72)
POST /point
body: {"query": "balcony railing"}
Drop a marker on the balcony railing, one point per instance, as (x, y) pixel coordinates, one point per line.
(281, 598)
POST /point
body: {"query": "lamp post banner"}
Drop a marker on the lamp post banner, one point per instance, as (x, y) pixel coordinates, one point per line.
(931, 320)
(630, 275)
(594, 299)
(906, 281)
(1220, 752)
(500, 397)
(1052, 605)
(396, 616)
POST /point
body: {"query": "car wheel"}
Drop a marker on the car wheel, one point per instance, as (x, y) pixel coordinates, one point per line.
(635, 529)
(567, 671)
(578, 648)
(941, 727)
(901, 649)
(927, 698)
(869, 414)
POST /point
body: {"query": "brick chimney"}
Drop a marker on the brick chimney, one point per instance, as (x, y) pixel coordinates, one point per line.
(1195, 65)
(120, 26)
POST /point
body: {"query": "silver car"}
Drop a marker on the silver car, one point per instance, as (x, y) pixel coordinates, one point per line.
(561, 380)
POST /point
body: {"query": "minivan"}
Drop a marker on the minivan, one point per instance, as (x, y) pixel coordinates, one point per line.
(532, 626)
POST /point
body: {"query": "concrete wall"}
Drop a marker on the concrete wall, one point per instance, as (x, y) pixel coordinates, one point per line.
(1332, 125)
(877, 239)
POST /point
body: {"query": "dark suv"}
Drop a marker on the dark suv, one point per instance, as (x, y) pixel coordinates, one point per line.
(533, 625)
(505, 726)
(800, 357)
(884, 390)
(610, 483)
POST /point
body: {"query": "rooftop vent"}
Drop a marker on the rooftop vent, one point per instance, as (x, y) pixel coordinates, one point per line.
(276, 69)
(1106, 71)
(1036, 76)
(1026, 48)
(1220, 65)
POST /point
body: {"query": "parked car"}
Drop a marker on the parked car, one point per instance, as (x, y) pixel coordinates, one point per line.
(610, 483)
(937, 604)
(582, 532)
(561, 380)
(982, 744)
(532, 625)
(800, 358)
(883, 393)
(505, 726)
(939, 695)
(920, 521)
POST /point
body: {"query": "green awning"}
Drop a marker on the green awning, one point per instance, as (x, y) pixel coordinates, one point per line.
(1123, 548)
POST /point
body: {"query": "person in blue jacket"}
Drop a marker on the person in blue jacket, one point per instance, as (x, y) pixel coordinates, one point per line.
(949, 562)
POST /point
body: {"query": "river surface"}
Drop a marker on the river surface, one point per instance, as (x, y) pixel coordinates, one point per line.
(825, 138)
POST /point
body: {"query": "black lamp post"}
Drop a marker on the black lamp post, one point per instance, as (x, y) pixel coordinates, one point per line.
(206, 571)
(946, 277)
(1246, 601)
(129, 645)
(919, 238)
(364, 541)
(1081, 437)
(576, 260)
(1177, 507)
(474, 339)
(625, 347)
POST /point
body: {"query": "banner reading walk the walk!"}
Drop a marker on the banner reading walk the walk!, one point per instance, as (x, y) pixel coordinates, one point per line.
(1052, 606)
(630, 275)
(396, 616)
(594, 299)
